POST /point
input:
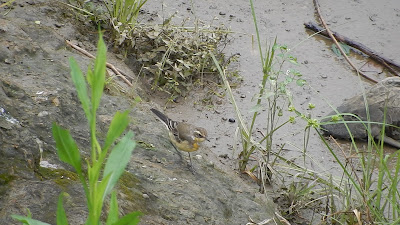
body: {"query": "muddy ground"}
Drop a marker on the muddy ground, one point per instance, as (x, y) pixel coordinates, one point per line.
(35, 90)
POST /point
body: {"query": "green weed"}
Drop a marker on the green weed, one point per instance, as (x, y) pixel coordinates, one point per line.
(123, 16)
(105, 166)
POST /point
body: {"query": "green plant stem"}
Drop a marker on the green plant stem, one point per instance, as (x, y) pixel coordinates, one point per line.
(340, 163)
(253, 13)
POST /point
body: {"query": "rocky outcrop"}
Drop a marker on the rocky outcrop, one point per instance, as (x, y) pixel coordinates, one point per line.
(383, 107)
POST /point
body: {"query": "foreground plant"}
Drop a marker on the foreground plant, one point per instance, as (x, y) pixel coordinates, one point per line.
(104, 168)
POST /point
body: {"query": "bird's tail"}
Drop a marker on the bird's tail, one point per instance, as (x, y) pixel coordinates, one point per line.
(167, 121)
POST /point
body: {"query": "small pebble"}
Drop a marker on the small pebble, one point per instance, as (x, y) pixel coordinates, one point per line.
(43, 113)
(56, 102)
(58, 25)
(324, 76)
(210, 163)
(231, 120)
(242, 96)
(225, 156)
(222, 13)
(175, 100)
(146, 196)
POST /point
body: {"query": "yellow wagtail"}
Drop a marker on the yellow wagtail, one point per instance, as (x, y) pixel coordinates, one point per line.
(183, 136)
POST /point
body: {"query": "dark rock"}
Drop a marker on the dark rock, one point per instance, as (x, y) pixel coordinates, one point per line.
(381, 98)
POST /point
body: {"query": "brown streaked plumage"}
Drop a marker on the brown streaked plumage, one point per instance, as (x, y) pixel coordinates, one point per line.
(184, 136)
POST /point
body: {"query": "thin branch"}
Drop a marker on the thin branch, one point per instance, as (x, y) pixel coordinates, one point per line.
(337, 44)
(388, 63)
(117, 71)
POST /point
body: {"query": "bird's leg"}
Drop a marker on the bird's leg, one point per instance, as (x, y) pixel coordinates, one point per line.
(191, 164)
(191, 168)
(179, 153)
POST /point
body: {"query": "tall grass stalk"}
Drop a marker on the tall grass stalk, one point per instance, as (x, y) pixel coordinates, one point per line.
(376, 193)
(123, 16)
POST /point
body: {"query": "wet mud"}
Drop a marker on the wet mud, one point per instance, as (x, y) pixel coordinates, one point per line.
(35, 90)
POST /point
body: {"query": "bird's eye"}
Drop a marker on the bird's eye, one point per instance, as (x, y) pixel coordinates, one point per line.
(197, 134)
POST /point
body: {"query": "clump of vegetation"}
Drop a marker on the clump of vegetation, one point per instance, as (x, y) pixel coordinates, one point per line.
(179, 57)
(104, 167)
(123, 16)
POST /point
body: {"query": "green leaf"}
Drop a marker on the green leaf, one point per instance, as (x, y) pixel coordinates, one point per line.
(89, 75)
(66, 148)
(118, 159)
(288, 79)
(98, 78)
(301, 82)
(27, 220)
(268, 94)
(129, 219)
(61, 217)
(345, 48)
(118, 125)
(113, 212)
(80, 85)
(336, 50)
(292, 59)
(101, 192)
(256, 108)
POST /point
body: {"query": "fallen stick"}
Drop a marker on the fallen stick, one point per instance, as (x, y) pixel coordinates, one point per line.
(337, 44)
(371, 53)
(110, 66)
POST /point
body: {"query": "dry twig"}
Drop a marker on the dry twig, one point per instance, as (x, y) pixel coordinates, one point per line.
(337, 44)
(388, 63)
(117, 71)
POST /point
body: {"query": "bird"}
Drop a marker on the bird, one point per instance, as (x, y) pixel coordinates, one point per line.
(183, 136)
